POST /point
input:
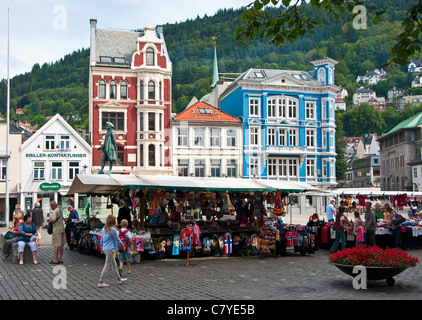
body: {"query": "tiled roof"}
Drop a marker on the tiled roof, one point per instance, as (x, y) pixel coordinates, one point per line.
(201, 111)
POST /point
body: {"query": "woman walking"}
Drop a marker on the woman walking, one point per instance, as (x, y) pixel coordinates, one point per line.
(340, 227)
(109, 241)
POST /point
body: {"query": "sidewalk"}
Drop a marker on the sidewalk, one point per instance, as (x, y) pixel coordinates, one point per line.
(292, 277)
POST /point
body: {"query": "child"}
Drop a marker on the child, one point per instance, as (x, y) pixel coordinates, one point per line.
(358, 229)
(125, 257)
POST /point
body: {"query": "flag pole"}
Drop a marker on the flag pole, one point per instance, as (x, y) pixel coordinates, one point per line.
(6, 200)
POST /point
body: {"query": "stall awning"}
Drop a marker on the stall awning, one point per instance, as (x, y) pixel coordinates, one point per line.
(109, 183)
(373, 192)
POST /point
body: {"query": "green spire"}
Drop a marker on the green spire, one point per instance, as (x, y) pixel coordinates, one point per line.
(215, 71)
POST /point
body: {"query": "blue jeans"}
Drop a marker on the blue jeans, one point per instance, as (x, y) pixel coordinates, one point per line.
(340, 236)
(396, 237)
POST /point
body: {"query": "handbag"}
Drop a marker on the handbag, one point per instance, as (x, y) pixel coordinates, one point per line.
(9, 235)
(50, 228)
(399, 220)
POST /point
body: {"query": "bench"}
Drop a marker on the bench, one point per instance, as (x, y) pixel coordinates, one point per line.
(27, 254)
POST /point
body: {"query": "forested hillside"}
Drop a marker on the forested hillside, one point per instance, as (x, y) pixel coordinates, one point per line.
(62, 86)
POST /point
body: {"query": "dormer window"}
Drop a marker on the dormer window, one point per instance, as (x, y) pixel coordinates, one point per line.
(106, 59)
(150, 57)
(119, 60)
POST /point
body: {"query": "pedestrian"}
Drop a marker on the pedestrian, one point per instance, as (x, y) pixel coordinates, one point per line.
(331, 211)
(125, 257)
(38, 219)
(125, 213)
(7, 243)
(70, 224)
(58, 239)
(340, 227)
(358, 229)
(370, 224)
(109, 241)
(395, 227)
(26, 236)
(18, 210)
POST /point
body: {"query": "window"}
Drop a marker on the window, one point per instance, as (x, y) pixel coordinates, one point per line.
(64, 142)
(151, 90)
(113, 89)
(182, 137)
(120, 155)
(332, 144)
(116, 118)
(160, 121)
(310, 138)
(150, 57)
(123, 90)
(292, 109)
(141, 155)
(415, 172)
(293, 167)
(199, 168)
(39, 170)
(215, 137)
(151, 155)
(231, 168)
(73, 170)
(282, 137)
(160, 93)
(151, 121)
(56, 171)
(231, 138)
(254, 106)
(283, 107)
(271, 137)
(2, 169)
(254, 167)
(49, 142)
(183, 167)
(141, 89)
(310, 167)
(310, 110)
(292, 137)
(271, 108)
(102, 89)
(272, 167)
(215, 168)
(141, 121)
(105, 59)
(119, 60)
(199, 137)
(254, 136)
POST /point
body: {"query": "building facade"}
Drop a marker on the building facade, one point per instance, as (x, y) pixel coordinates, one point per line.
(130, 86)
(288, 122)
(50, 160)
(207, 142)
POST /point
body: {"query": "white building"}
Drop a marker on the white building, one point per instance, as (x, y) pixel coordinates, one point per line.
(363, 95)
(415, 66)
(417, 82)
(340, 104)
(50, 160)
(372, 77)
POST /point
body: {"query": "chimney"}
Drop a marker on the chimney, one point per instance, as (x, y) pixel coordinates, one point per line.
(93, 23)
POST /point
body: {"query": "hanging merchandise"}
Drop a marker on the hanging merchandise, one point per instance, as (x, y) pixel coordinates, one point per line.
(228, 207)
(176, 245)
(228, 243)
(279, 209)
(206, 243)
(291, 237)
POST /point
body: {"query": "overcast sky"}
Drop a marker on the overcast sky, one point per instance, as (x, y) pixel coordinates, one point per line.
(46, 30)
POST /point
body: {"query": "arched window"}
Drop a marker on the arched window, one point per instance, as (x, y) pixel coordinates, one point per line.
(151, 90)
(123, 90)
(150, 57)
(113, 86)
(141, 88)
(102, 89)
(322, 75)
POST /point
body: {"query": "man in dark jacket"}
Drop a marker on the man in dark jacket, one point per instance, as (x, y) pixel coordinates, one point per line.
(37, 219)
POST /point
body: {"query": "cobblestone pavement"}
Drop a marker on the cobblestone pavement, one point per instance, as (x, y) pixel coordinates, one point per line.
(291, 277)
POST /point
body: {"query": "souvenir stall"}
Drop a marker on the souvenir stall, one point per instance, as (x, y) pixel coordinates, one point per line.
(355, 199)
(228, 214)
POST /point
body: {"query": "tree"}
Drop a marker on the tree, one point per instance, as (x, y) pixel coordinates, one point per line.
(294, 22)
(363, 119)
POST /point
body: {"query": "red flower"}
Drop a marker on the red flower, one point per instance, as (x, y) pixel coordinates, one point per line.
(374, 256)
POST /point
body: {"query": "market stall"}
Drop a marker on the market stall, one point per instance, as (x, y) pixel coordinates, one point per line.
(230, 213)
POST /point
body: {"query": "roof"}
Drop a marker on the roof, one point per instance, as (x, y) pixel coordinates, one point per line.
(364, 90)
(410, 123)
(204, 112)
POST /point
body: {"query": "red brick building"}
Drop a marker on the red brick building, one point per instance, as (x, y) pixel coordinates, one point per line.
(130, 86)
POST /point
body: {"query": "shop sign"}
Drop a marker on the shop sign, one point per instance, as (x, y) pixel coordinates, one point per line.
(56, 155)
(54, 186)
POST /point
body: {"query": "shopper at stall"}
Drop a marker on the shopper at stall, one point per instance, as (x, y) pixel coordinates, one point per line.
(358, 229)
(395, 227)
(340, 228)
(26, 236)
(109, 242)
(331, 211)
(125, 212)
(370, 224)
(38, 219)
(7, 243)
(125, 257)
(58, 237)
(73, 215)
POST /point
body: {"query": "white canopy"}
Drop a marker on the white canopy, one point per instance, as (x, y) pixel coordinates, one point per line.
(373, 192)
(109, 183)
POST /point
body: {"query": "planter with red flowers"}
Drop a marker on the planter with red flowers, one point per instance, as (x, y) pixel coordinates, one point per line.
(379, 263)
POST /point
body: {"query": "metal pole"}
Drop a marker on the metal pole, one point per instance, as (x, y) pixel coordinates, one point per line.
(6, 200)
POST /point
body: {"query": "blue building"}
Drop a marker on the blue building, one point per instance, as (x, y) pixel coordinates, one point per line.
(288, 122)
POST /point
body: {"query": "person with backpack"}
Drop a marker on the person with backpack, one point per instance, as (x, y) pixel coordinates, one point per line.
(395, 225)
(125, 256)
